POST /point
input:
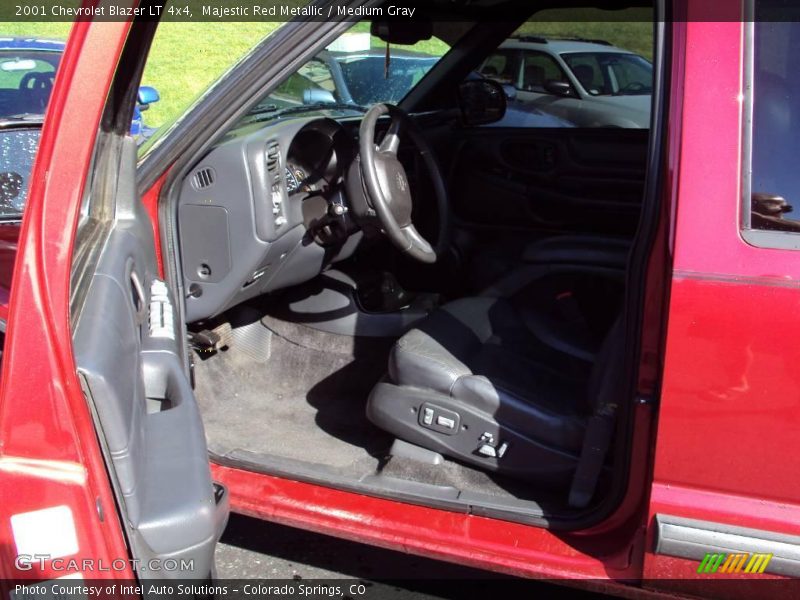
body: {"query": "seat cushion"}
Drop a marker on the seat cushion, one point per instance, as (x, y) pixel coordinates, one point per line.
(478, 350)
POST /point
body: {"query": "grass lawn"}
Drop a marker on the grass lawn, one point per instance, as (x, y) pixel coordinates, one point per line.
(187, 57)
(184, 60)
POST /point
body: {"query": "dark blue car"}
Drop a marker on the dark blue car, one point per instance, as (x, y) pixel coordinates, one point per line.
(27, 70)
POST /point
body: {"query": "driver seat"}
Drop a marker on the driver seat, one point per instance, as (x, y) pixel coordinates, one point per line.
(472, 382)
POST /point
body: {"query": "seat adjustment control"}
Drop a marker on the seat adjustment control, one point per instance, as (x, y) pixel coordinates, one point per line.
(488, 448)
(445, 422)
(439, 419)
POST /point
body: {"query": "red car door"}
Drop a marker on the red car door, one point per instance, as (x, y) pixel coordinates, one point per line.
(725, 500)
(101, 437)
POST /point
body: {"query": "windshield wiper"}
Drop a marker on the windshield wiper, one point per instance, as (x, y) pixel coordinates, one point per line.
(21, 119)
(271, 111)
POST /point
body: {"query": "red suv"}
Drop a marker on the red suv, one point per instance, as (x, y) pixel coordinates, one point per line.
(563, 353)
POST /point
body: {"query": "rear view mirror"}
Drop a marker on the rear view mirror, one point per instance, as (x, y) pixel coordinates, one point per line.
(20, 64)
(147, 96)
(402, 32)
(481, 101)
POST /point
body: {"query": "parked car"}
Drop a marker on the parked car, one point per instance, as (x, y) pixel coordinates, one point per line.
(272, 311)
(27, 71)
(588, 82)
(359, 77)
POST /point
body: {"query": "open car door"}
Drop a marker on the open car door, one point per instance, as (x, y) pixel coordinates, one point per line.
(129, 351)
(117, 407)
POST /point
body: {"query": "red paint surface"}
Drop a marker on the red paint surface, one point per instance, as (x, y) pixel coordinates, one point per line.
(9, 237)
(730, 406)
(472, 540)
(44, 419)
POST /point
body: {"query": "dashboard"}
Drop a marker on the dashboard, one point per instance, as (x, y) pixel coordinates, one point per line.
(264, 210)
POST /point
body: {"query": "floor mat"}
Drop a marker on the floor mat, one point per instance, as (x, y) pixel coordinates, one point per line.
(289, 391)
(303, 398)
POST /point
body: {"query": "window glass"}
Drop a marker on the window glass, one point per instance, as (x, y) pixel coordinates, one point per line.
(775, 186)
(207, 50)
(538, 69)
(577, 67)
(502, 66)
(611, 73)
(18, 147)
(26, 80)
(350, 75)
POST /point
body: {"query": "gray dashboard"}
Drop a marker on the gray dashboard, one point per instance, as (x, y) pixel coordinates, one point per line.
(244, 230)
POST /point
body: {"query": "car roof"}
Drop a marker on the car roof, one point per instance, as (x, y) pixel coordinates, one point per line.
(29, 43)
(559, 46)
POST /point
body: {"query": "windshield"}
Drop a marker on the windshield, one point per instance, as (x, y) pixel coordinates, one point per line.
(611, 73)
(363, 75)
(17, 152)
(26, 80)
(350, 75)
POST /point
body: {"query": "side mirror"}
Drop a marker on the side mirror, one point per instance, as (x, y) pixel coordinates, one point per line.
(559, 88)
(510, 91)
(481, 101)
(147, 96)
(318, 96)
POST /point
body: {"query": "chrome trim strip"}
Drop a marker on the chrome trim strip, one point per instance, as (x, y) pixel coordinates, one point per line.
(693, 539)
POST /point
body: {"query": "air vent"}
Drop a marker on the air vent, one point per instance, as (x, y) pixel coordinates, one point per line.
(204, 178)
(273, 156)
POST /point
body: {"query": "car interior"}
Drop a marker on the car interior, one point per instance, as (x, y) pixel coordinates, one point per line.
(396, 300)
(410, 307)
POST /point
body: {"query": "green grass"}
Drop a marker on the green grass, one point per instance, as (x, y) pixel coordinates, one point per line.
(36, 29)
(184, 60)
(187, 57)
(637, 37)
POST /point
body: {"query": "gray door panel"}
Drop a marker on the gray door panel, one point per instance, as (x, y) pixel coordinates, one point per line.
(128, 348)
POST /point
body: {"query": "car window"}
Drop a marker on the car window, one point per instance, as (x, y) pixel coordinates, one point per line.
(26, 80)
(312, 82)
(577, 67)
(774, 190)
(351, 74)
(18, 147)
(208, 50)
(502, 66)
(369, 80)
(538, 69)
(611, 73)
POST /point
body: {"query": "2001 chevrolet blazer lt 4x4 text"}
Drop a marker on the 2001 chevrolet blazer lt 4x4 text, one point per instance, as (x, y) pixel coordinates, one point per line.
(559, 352)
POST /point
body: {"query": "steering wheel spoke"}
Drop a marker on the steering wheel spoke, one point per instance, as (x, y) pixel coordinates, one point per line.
(391, 141)
(415, 239)
(387, 184)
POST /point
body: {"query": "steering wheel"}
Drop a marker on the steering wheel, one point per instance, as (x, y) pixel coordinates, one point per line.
(387, 186)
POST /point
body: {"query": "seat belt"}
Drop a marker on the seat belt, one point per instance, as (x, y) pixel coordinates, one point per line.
(600, 428)
(599, 432)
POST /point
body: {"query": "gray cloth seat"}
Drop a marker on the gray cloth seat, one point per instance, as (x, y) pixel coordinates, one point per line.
(476, 363)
